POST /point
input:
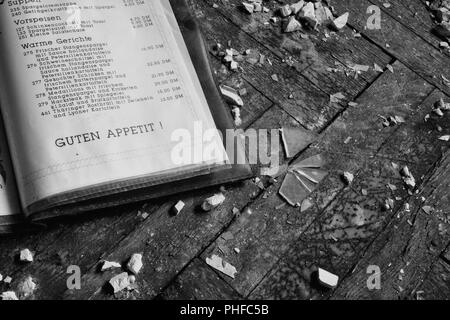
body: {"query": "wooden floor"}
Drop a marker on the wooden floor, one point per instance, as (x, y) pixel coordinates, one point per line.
(280, 248)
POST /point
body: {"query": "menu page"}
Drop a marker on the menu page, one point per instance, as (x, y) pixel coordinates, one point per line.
(98, 91)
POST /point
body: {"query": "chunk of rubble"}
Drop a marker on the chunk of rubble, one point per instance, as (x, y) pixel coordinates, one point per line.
(296, 140)
(119, 282)
(296, 7)
(285, 11)
(306, 204)
(377, 68)
(302, 179)
(427, 209)
(213, 202)
(257, 7)
(337, 97)
(220, 265)
(408, 178)
(292, 25)
(440, 104)
(231, 96)
(445, 138)
(176, 209)
(438, 112)
(26, 255)
(109, 265)
(248, 7)
(327, 279)
(7, 280)
(9, 295)
(340, 22)
(237, 116)
(359, 68)
(308, 15)
(135, 264)
(389, 204)
(322, 13)
(348, 177)
(407, 207)
(27, 287)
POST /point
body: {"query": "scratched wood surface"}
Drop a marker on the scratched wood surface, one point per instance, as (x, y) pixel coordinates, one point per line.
(280, 248)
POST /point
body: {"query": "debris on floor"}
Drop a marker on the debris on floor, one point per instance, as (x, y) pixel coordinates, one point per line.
(302, 179)
(407, 207)
(440, 10)
(341, 21)
(7, 280)
(274, 171)
(389, 204)
(348, 177)
(296, 140)
(143, 214)
(337, 97)
(120, 282)
(217, 263)
(408, 178)
(237, 116)
(108, 265)
(135, 264)
(9, 295)
(257, 181)
(26, 255)
(427, 209)
(391, 121)
(213, 202)
(292, 25)
(231, 96)
(306, 204)
(390, 68)
(176, 209)
(442, 105)
(327, 279)
(377, 68)
(308, 15)
(445, 138)
(27, 287)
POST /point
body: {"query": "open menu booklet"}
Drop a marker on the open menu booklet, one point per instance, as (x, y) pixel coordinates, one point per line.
(104, 102)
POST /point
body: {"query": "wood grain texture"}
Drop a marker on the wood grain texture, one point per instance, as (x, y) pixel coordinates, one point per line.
(314, 54)
(400, 42)
(407, 248)
(414, 16)
(199, 282)
(436, 285)
(308, 98)
(337, 238)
